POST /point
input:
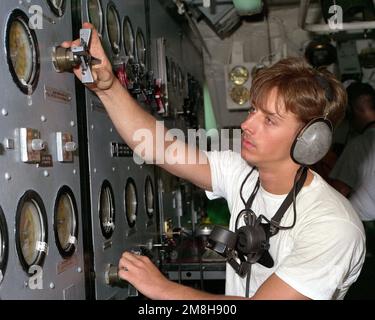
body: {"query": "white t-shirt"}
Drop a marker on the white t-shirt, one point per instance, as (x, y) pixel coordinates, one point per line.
(320, 257)
(356, 168)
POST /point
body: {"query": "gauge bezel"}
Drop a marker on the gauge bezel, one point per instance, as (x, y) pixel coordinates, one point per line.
(107, 185)
(5, 244)
(18, 15)
(57, 11)
(129, 52)
(140, 35)
(112, 6)
(130, 181)
(148, 182)
(243, 90)
(69, 251)
(31, 196)
(101, 15)
(245, 78)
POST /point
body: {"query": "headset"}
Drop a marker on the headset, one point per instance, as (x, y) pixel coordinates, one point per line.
(249, 243)
(315, 138)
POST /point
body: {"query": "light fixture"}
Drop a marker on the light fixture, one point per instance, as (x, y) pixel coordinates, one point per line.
(248, 7)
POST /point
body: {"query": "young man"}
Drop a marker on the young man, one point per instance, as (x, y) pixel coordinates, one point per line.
(322, 255)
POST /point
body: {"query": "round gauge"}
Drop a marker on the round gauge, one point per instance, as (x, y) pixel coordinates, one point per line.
(131, 202)
(95, 14)
(107, 210)
(31, 230)
(57, 7)
(140, 44)
(128, 37)
(4, 245)
(240, 95)
(113, 27)
(65, 223)
(22, 52)
(239, 75)
(149, 197)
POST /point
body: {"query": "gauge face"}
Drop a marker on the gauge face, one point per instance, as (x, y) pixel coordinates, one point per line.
(57, 7)
(141, 47)
(95, 13)
(22, 52)
(106, 210)
(131, 202)
(240, 95)
(65, 222)
(31, 225)
(149, 197)
(113, 27)
(4, 245)
(128, 36)
(239, 75)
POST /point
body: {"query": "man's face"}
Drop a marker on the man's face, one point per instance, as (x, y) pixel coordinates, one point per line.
(267, 135)
(361, 111)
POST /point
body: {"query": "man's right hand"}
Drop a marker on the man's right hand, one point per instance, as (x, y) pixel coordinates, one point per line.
(102, 73)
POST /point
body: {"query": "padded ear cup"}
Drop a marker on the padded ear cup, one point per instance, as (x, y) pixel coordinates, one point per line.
(312, 142)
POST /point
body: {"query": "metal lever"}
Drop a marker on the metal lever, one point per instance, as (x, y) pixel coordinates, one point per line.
(65, 59)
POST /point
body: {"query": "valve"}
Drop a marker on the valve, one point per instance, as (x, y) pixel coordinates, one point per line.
(65, 59)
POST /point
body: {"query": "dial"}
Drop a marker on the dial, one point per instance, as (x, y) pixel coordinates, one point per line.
(149, 197)
(131, 202)
(4, 245)
(106, 210)
(128, 36)
(141, 47)
(31, 235)
(65, 222)
(57, 7)
(239, 75)
(95, 14)
(240, 95)
(113, 27)
(22, 52)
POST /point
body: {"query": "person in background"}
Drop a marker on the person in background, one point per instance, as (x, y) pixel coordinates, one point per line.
(354, 172)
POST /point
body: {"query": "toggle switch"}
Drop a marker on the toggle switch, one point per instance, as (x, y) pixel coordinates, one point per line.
(65, 146)
(31, 145)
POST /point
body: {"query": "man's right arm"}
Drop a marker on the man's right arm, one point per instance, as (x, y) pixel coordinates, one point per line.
(129, 119)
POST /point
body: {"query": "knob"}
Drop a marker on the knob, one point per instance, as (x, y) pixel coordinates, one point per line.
(70, 146)
(65, 59)
(37, 144)
(112, 278)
